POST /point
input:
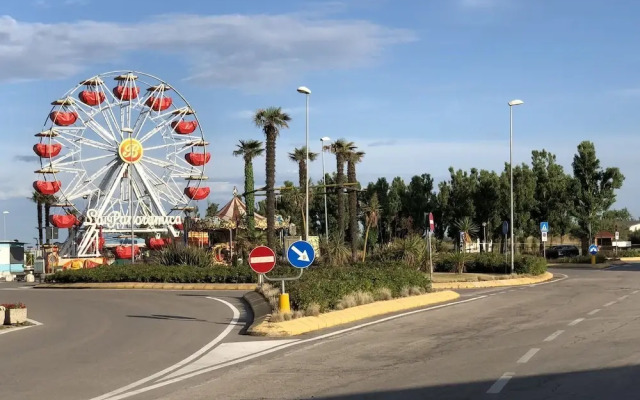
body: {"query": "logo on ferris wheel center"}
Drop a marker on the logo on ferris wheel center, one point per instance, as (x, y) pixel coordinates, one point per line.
(130, 151)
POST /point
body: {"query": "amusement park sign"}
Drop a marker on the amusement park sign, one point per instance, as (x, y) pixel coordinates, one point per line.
(117, 219)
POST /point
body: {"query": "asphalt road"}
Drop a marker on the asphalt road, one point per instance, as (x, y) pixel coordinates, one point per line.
(573, 339)
(94, 341)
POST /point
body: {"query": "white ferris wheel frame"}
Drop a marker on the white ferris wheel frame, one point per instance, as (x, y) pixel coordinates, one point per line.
(156, 195)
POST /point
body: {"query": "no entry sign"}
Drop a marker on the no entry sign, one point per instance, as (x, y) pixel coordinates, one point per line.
(262, 259)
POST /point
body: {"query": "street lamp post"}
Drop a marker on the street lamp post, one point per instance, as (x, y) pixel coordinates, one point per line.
(4, 223)
(512, 103)
(484, 236)
(324, 182)
(305, 90)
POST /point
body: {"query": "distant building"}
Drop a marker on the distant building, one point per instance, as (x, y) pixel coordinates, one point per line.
(11, 256)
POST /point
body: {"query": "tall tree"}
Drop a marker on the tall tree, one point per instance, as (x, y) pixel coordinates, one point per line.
(372, 213)
(48, 200)
(341, 148)
(248, 150)
(271, 120)
(38, 199)
(460, 202)
(594, 190)
(353, 157)
(212, 209)
(397, 192)
(487, 202)
(299, 156)
(419, 199)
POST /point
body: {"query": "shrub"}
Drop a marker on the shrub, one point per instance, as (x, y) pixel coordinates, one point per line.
(487, 263)
(156, 273)
(600, 258)
(382, 294)
(179, 254)
(326, 286)
(629, 253)
(529, 265)
(405, 292)
(363, 297)
(13, 306)
(313, 310)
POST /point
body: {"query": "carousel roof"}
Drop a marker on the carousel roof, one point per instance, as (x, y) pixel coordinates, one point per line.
(235, 209)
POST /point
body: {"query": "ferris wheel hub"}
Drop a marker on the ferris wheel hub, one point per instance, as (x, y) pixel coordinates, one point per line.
(130, 151)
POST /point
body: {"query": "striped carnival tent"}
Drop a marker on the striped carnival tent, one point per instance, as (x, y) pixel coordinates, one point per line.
(234, 211)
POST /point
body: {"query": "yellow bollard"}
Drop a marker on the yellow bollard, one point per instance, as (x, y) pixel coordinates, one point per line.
(593, 260)
(284, 303)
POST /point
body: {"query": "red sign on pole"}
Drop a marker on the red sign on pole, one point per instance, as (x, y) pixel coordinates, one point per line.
(432, 224)
(262, 259)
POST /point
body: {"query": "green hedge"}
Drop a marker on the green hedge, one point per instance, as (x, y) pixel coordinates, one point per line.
(628, 253)
(156, 273)
(491, 263)
(600, 258)
(327, 285)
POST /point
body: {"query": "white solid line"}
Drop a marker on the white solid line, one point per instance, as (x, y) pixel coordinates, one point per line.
(500, 383)
(635, 291)
(623, 297)
(576, 321)
(207, 347)
(528, 355)
(593, 312)
(610, 303)
(9, 330)
(264, 259)
(554, 335)
(252, 356)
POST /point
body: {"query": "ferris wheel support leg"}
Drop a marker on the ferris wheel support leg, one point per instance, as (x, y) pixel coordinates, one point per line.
(89, 240)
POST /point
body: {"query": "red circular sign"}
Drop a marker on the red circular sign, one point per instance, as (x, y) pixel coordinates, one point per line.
(262, 259)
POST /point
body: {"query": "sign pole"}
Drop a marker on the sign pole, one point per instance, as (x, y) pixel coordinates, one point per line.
(430, 259)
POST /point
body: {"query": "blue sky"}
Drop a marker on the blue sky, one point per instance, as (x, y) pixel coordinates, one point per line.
(419, 86)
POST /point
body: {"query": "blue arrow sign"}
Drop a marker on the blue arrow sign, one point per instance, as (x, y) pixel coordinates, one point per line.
(301, 254)
(593, 249)
(544, 226)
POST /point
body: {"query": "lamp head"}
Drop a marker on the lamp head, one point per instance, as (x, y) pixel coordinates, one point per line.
(325, 139)
(304, 89)
(515, 102)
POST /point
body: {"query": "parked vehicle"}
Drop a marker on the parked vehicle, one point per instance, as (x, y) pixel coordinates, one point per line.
(562, 251)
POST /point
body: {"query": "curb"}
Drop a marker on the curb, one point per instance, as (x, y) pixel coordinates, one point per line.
(260, 308)
(334, 318)
(150, 285)
(632, 259)
(495, 283)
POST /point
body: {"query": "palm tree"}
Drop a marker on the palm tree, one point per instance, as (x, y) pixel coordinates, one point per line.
(271, 120)
(353, 158)
(469, 228)
(48, 200)
(372, 213)
(249, 150)
(341, 148)
(38, 198)
(300, 156)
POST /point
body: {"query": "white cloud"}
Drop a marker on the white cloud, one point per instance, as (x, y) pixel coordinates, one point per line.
(479, 3)
(250, 51)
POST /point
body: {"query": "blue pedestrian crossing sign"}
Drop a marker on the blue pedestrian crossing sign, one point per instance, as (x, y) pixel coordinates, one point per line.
(544, 226)
(593, 249)
(301, 254)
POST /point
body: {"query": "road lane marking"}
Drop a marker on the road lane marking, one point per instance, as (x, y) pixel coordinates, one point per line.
(203, 350)
(576, 321)
(528, 355)
(9, 330)
(623, 297)
(635, 291)
(593, 312)
(252, 356)
(610, 303)
(500, 383)
(553, 335)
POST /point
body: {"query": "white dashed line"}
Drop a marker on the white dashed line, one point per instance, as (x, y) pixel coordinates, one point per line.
(610, 303)
(554, 335)
(635, 291)
(500, 383)
(528, 355)
(623, 297)
(593, 312)
(576, 321)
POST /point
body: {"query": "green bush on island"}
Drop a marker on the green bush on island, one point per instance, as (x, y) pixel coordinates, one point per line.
(489, 263)
(600, 258)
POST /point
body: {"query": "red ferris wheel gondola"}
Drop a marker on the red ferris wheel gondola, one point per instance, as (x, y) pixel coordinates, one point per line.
(47, 150)
(197, 193)
(197, 159)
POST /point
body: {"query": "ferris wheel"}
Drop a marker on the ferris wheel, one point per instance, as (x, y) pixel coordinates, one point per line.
(122, 159)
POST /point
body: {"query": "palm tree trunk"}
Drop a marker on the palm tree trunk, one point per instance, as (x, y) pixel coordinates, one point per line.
(302, 174)
(249, 197)
(340, 192)
(353, 210)
(271, 196)
(40, 234)
(47, 212)
(366, 238)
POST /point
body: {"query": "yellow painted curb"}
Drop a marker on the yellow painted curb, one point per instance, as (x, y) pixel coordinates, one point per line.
(151, 285)
(334, 318)
(495, 283)
(629, 259)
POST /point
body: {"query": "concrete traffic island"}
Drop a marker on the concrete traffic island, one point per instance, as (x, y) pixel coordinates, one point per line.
(303, 325)
(150, 285)
(493, 283)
